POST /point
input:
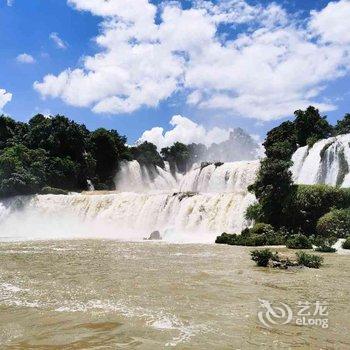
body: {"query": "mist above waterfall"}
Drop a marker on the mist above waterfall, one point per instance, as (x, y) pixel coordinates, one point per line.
(212, 145)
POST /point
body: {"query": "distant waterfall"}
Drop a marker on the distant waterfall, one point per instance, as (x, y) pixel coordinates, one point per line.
(327, 162)
(194, 207)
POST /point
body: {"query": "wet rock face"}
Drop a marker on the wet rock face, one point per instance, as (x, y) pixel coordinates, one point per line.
(154, 236)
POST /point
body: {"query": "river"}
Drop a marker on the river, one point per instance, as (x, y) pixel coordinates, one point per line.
(105, 294)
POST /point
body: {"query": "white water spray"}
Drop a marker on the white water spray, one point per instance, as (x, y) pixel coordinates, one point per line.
(327, 162)
(194, 207)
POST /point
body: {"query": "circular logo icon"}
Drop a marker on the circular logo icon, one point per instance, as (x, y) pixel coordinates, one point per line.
(271, 315)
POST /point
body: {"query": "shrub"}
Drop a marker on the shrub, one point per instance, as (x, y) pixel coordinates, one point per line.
(226, 238)
(324, 244)
(309, 260)
(309, 202)
(346, 244)
(259, 235)
(335, 223)
(52, 190)
(262, 229)
(244, 239)
(254, 213)
(325, 249)
(262, 257)
(299, 242)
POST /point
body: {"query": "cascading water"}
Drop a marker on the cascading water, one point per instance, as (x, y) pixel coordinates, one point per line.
(194, 207)
(326, 162)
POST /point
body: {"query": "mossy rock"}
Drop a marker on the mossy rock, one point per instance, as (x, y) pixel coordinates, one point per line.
(53, 190)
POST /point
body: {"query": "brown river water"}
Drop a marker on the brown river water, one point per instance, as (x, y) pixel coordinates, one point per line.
(96, 294)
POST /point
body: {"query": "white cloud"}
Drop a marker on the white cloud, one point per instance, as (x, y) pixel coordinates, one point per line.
(10, 2)
(60, 44)
(186, 131)
(5, 97)
(25, 58)
(276, 66)
(332, 23)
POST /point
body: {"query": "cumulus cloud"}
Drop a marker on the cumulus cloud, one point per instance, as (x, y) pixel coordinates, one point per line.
(60, 44)
(332, 23)
(186, 131)
(25, 58)
(10, 2)
(5, 97)
(147, 53)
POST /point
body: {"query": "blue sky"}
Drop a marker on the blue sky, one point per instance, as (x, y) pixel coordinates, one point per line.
(202, 71)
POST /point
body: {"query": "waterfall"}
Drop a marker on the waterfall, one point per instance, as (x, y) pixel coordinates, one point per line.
(326, 162)
(194, 207)
(135, 177)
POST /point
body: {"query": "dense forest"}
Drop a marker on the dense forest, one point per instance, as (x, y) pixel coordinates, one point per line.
(286, 212)
(57, 155)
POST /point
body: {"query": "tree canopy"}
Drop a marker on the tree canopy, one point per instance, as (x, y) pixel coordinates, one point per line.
(56, 152)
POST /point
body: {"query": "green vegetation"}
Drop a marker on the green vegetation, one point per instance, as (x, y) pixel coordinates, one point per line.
(298, 208)
(296, 215)
(324, 244)
(343, 126)
(307, 203)
(325, 249)
(298, 242)
(146, 154)
(334, 223)
(346, 244)
(22, 170)
(56, 155)
(259, 235)
(266, 257)
(177, 155)
(262, 257)
(309, 260)
(52, 190)
(311, 127)
(274, 181)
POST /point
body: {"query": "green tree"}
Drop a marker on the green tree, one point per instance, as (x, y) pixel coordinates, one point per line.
(11, 132)
(22, 170)
(62, 173)
(177, 155)
(308, 203)
(58, 135)
(274, 181)
(146, 153)
(310, 126)
(108, 149)
(281, 141)
(343, 125)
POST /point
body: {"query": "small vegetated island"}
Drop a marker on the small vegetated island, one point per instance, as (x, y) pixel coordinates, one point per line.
(298, 216)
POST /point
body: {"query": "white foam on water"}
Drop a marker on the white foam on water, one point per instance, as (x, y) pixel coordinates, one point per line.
(156, 319)
(10, 287)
